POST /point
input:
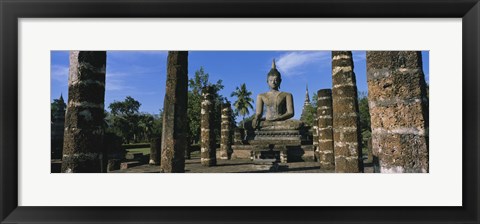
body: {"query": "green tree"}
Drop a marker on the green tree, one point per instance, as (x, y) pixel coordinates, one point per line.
(309, 116)
(314, 101)
(246, 120)
(195, 85)
(158, 124)
(57, 106)
(126, 118)
(127, 107)
(244, 101)
(146, 127)
(310, 112)
(200, 80)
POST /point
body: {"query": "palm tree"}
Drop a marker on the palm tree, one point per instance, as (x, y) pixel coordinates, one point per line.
(243, 102)
(146, 126)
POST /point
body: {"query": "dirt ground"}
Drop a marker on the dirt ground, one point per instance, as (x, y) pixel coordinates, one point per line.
(239, 166)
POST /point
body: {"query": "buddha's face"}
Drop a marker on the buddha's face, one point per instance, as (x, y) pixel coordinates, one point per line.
(274, 82)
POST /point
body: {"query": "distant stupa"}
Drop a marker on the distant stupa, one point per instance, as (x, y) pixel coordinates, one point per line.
(305, 105)
(57, 128)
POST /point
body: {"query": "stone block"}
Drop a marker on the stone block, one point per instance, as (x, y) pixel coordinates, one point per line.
(126, 165)
(132, 156)
(241, 155)
(113, 164)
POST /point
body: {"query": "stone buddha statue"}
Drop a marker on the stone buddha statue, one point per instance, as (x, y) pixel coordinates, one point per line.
(278, 106)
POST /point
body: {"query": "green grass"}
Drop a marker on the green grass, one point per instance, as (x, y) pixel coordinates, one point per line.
(195, 154)
(145, 151)
(135, 145)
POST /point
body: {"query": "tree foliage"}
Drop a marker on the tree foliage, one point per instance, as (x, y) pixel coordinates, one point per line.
(364, 114)
(126, 121)
(246, 120)
(244, 101)
(195, 85)
(57, 106)
(125, 117)
(310, 112)
(128, 107)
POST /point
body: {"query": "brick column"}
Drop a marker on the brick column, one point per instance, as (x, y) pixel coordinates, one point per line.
(346, 125)
(398, 111)
(83, 136)
(325, 129)
(226, 132)
(207, 134)
(315, 138)
(174, 135)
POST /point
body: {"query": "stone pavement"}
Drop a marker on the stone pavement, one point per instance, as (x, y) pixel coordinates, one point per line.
(235, 166)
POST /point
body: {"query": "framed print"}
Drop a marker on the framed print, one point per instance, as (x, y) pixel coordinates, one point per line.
(436, 42)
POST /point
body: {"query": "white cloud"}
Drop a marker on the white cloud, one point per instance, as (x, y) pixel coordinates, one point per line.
(59, 72)
(119, 81)
(110, 74)
(293, 63)
(114, 81)
(115, 85)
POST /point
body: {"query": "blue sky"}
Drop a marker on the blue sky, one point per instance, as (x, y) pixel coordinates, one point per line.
(141, 74)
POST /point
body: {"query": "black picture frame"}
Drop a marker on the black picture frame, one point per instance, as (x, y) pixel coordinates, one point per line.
(11, 11)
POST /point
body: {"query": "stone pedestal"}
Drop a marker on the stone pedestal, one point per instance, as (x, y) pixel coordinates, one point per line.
(399, 111)
(268, 152)
(174, 135)
(226, 137)
(346, 125)
(207, 138)
(325, 129)
(238, 136)
(83, 136)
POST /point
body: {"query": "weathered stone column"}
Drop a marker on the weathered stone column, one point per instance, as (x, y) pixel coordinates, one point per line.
(174, 135)
(398, 111)
(315, 138)
(226, 137)
(155, 150)
(83, 137)
(346, 122)
(207, 135)
(325, 129)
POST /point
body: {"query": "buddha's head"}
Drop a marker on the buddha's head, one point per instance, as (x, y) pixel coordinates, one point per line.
(274, 79)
